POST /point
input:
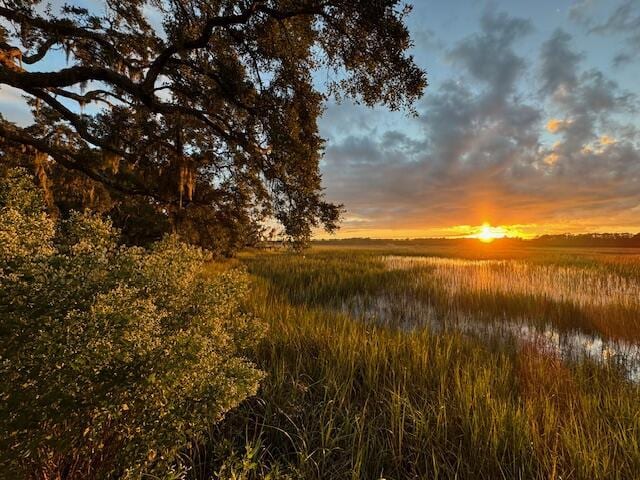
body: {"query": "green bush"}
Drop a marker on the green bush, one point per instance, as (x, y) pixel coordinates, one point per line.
(112, 358)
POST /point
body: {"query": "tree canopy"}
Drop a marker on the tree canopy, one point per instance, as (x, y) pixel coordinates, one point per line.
(203, 112)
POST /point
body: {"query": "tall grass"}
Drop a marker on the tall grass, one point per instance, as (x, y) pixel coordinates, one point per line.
(583, 287)
(570, 296)
(346, 399)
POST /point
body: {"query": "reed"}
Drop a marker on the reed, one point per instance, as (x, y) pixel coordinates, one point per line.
(351, 398)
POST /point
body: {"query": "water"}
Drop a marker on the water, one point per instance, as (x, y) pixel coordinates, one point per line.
(583, 287)
(405, 312)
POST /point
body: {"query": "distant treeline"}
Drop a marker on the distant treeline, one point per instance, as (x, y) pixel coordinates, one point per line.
(564, 240)
(589, 240)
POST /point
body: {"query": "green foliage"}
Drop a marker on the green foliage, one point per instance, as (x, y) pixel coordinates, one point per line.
(348, 398)
(207, 119)
(112, 358)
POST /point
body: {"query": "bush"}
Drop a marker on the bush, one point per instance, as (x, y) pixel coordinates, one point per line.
(112, 358)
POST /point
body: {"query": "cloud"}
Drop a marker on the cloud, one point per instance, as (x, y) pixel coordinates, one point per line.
(346, 118)
(623, 21)
(480, 152)
(623, 58)
(588, 102)
(556, 125)
(427, 39)
(580, 13)
(14, 106)
(558, 63)
(488, 56)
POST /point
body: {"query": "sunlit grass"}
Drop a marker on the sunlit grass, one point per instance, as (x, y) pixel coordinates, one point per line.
(353, 399)
(593, 298)
(580, 286)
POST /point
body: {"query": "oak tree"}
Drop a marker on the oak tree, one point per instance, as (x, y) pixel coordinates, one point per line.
(203, 112)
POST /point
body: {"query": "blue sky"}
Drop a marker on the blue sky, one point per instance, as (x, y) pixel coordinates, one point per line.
(530, 121)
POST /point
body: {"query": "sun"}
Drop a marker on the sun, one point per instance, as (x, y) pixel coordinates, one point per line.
(488, 233)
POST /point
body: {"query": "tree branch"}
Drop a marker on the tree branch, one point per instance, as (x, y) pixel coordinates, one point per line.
(40, 53)
(200, 42)
(67, 77)
(92, 96)
(78, 123)
(69, 159)
(225, 21)
(58, 28)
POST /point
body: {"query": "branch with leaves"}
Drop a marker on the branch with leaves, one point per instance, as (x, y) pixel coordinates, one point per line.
(218, 95)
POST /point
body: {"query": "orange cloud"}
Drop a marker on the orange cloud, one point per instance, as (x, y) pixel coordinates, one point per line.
(607, 140)
(551, 159)
(555, 125)
(599, 146)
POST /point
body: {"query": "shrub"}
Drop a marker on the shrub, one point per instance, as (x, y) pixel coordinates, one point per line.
(112, 358)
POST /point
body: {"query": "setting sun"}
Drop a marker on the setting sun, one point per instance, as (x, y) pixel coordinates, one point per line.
(488, 233)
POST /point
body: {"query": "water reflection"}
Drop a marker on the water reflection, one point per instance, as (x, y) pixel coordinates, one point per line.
(579, 286)
(405, 312)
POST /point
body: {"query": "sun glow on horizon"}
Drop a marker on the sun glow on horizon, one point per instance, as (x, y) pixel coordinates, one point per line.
(485, 232)
(488, 234)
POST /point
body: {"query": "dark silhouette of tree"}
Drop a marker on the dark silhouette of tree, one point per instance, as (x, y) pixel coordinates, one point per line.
(209, 119)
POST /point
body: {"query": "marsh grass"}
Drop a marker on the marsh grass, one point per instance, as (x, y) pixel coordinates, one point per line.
(592, 298)
(580, 286)
(347, 399)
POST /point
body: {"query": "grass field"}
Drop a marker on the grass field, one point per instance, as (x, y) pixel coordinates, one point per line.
(440, 363)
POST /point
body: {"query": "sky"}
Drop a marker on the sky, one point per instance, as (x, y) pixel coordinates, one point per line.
(530, 122)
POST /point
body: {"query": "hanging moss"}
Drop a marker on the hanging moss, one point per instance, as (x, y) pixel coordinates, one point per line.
(40, 163)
